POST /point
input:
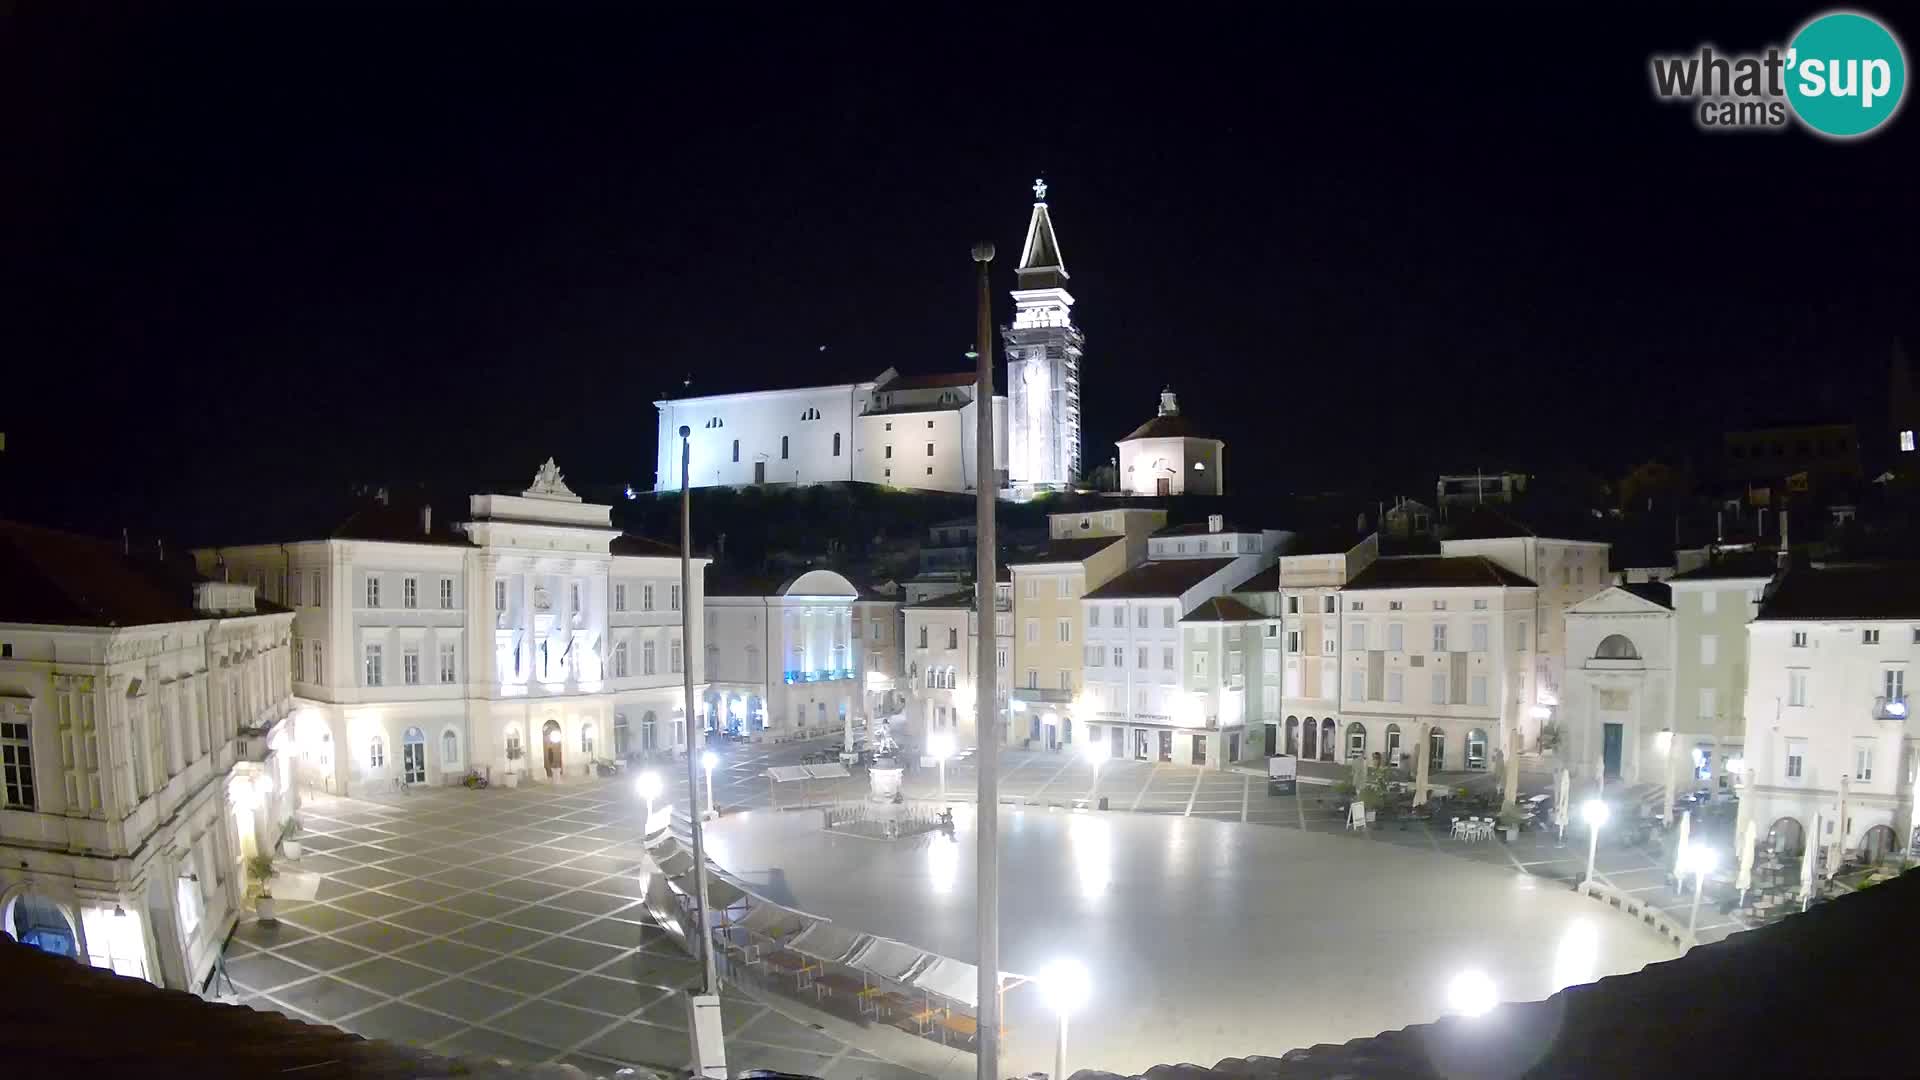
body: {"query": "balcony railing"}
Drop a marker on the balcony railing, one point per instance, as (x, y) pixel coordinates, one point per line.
(1892, 709)
(1041, 694)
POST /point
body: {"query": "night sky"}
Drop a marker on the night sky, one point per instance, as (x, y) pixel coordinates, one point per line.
(250, 258)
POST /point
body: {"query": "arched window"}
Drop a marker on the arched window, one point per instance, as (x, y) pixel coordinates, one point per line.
(836, 444)
(376, 753)
(413, 756)
(783, 448)
(449, 748)
(1356, 740)
(1326, 739)
(649, 730)
(716, 422)
(1476, 749)
(810, 414)
(1436, 750)
(1293, 735)
(1616, 647)
(1393, 744)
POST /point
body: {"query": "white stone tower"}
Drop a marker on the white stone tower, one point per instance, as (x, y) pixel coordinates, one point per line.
(1043, 363)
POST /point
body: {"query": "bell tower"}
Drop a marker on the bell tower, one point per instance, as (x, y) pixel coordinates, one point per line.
(1043, 362)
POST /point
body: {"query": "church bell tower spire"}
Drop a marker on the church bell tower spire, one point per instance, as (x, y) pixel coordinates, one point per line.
(1044, 349)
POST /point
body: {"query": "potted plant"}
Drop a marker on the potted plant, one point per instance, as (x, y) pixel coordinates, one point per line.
(290, 840)
(260, 887)
(512, 775)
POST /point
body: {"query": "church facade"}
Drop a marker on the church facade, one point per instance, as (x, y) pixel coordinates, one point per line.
(909, 431)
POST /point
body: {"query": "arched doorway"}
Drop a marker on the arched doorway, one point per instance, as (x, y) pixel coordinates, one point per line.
(1787, 838)
(1877, 844)
(1356, 740)
(1477, 749)
(1309, 739)
(1393, 746)
(650, 730)
(413, 757)
(37, 921)
(1293, 735)
(1436, 750)
(550, 745)
(1326, 739)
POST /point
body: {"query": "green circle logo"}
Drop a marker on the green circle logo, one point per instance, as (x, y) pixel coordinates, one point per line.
(1845, 74)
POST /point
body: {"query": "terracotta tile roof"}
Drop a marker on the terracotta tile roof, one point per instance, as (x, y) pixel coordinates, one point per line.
(1436, 572)
(1890, 591)
(1167, 427)
(397, 522)
(1734, 564)
(63, 579)
(1167, 578)
(635, 544)
(1267, 580)
(1654, 592)
(927, 382)
(1067, 551)
(1199, 528)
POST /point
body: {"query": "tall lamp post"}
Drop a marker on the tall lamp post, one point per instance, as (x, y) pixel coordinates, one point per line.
(986, 486)
(1595, 813)
(1095, 751)
(703, 1009)
(940, 748)
(707, 761)
(1065, 986)
(1700, 860)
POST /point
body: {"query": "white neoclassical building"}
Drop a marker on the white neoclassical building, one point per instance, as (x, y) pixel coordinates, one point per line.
(1829, 710)
(1620, 683)
(145, 735)
(526, 642)
(1168, 456)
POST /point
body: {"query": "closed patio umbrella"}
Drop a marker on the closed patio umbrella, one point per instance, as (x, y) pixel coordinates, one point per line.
(1745, 881)
(1680, 849)
(1420, 766)
(1512, 793)
(1562, 799)
(1840, 829)
(1807, 859)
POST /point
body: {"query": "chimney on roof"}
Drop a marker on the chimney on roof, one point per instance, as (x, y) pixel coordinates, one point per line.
(1215, 523)
(426, 520)
(1168, 406)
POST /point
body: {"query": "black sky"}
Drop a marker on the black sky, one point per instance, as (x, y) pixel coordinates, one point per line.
(250, 255)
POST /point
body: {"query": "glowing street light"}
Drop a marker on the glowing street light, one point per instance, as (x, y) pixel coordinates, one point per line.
(1472, 993)
(1699, 860)
(1595, 814)
(648, 786)
(707, 761)
(940, 748)
(1095, 751)
(1065, 986)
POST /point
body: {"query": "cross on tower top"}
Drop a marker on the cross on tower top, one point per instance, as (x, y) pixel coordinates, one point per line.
(1039, 188)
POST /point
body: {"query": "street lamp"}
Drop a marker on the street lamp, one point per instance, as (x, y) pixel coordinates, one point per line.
(1699, 859)
(648, 786)
(1595, 813)
(940, 748)
(1065, 986)
(1095, 751)
(707, 761)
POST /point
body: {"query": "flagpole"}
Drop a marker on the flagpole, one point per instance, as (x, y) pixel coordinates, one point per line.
(986, 699)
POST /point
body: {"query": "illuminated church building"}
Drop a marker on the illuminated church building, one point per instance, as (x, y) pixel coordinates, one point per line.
(910, 431)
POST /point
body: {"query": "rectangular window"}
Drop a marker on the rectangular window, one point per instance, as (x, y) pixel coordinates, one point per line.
(1799, 639)
(1356, 686)
(649, 662)
(1356, 637)
(1709, 601)
(1394, 605)
(1142, 658)
(1066, 681)
(1033, 631)
(923, 637)
(1200, 664)
(1033, 679)
(1709, 703)
(1709, 650)
(1140, 617)
(619, 598)
(1439, 688)
(1270, 661)
(876, 627)
(1439, 637)
(1273, 630)
(1894, 682)
(293, 598)
(316, 597)
(319, 662)
(573, 597)
(1476, 689)
(646, 598)
(1356, 605)
(620, 660)
(736, 450)
(1293, 641)
(1439, 605)
(1480, 604)
(1064, 587)
(373, 591)
(1293, 605)
(1065, 629)
(1395, 687)
(1166, 617)
(1863, 759)
(1030, 588)
(1797, 687)
(1520, 637)
(448, 672)
(1870, 637)
(1479, 632)
(953, 637)
(1396, 637)
(373, 672)
(1293, 678)
(1796, 759)
(1326, 605)
(673, 598)
(675, 658)
(929, 449)
(1119, 658)
(499, 594)
(446, 593)
(1093, 615)
(409, 592)
(1166, 659)
(16, 762)
(410, 666)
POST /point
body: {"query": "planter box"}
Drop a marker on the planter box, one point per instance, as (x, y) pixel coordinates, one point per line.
(291, 848)
(511, 779)
(263, 909)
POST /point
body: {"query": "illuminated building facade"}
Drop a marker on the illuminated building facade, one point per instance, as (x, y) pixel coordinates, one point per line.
(1044, 350)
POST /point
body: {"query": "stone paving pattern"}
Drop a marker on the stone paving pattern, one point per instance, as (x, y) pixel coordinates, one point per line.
(507, 924)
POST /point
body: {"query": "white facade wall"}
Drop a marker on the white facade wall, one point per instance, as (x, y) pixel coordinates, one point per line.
(738, 438)
(1633, 694)
(1814, 723)
(791, 654)
(1189, 466)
